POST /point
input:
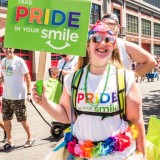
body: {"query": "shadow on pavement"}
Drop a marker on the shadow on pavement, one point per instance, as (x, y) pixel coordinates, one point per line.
(151, 106)
(39, 142)
(52, 139)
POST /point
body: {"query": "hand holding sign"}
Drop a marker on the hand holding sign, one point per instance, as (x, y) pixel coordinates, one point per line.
(57, 26)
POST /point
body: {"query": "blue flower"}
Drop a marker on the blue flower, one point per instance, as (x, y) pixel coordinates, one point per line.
(108, 146)
(90, 33)
(67, 137)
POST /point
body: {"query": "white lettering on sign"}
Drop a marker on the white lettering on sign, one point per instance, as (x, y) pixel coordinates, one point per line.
(25, 2)
(17, 28)
(33, 30)
(64, 35)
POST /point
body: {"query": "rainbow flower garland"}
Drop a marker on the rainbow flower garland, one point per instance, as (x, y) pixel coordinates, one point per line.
(89, 149)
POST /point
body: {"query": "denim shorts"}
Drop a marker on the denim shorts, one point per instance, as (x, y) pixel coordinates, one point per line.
(9, 107)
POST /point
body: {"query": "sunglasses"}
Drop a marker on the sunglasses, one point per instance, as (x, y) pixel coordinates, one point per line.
(111, 25)
(7, 48)
(109, 40)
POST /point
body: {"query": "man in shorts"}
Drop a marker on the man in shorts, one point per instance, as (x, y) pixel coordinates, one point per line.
(14, 71)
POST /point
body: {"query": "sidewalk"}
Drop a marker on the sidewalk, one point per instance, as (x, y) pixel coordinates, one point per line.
(41, 132)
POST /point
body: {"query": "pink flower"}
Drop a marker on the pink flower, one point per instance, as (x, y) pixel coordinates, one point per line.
(99, 26)
(71, 146)
(78, 151)
(81, 142)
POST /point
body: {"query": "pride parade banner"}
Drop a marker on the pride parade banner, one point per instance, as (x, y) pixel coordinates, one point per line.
(56, 26)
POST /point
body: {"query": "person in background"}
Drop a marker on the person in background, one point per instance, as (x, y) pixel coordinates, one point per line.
(5, 135)
(50, 73)
(97, 129)
(142, 77)
(133, 66)
(156, 69)
(14, 71)
(65, 66)
(129, 51)
(1, 122)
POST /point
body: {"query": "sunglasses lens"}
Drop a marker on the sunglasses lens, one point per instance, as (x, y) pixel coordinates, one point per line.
(7, 48)
(96, 39)
(109, 39)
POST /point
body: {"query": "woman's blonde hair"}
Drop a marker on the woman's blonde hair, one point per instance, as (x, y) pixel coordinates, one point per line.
(83, 61)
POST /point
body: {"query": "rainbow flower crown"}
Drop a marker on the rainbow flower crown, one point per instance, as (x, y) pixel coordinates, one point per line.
(99, 27)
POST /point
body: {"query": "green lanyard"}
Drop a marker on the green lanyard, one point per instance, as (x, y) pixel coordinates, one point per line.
(9, 68)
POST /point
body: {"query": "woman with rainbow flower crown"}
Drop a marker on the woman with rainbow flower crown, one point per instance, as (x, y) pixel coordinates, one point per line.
(97, 131)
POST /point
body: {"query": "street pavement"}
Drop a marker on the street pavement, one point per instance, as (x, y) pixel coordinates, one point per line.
(41, 131)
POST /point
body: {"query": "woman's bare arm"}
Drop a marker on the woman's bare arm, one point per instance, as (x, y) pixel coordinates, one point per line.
(135, 116)
(60, 112)
(138, 54)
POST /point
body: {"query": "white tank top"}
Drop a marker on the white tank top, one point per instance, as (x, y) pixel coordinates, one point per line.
(125, 58)
(90, 127)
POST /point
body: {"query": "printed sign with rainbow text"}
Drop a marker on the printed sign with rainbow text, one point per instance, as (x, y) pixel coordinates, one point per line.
(56, 26)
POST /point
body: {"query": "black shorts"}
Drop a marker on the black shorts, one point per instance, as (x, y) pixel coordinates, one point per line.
(9, 107)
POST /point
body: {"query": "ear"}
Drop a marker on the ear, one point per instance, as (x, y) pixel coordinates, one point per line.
(119, 27)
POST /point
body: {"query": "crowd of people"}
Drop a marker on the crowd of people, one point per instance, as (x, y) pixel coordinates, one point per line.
(113, 131)
(152, 74)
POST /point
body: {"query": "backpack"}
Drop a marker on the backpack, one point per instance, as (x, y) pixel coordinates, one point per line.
(121, 92)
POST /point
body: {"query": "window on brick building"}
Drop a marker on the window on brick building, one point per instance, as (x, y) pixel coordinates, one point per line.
(132, 24)
(146, 27)
(95, 13)
(156, 30)
(117, 12)
(4, 3)
(157, 50)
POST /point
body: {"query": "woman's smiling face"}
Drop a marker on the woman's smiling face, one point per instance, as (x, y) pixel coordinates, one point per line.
(100, 47)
